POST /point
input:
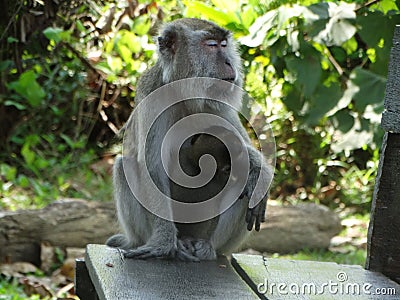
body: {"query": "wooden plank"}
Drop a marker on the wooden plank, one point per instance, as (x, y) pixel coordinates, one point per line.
(391, 115)
(117, 278)
(384, 229)
(84, 288)
(289, 279)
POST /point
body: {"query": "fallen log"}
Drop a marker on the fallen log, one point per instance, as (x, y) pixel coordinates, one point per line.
(76, 223)
(64, 223)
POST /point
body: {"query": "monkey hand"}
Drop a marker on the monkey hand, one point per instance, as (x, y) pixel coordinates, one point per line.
(256, 215)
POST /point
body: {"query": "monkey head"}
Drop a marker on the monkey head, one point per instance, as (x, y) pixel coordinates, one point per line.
(197, 48)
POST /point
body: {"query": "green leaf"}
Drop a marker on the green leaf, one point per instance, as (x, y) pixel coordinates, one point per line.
(17, 105)
(386, 5)
(286, 13)
(8, 172)
(374, 27)
(261, 30)
(80, 26)
(115, 64)
(129, 40)
(355, 138)
(201, 9)
(294, 101)
(28, 154)
(141, 25)
(343, 120)
(323, 100)
(306, 69)
(5, 64)
(346, 98)
(125, 53)
(28, 88)
(53, 33)
(227, 5)
(371, 88)
(316, 11)
(350, 46)
(11, 40)
(377, 31)
(248, 17)
(41, 163)
(339, 28)
(23, 181)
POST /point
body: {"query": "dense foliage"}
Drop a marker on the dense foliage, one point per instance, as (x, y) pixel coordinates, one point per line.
(316, 72)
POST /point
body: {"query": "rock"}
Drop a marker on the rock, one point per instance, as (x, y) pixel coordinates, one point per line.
(292, 228)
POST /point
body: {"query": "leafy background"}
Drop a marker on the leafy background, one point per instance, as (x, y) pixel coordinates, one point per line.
(316, 71)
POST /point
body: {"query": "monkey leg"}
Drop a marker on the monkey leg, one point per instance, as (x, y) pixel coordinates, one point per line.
(145, 235)
(131, 214)
(162, 244)
(230, 231)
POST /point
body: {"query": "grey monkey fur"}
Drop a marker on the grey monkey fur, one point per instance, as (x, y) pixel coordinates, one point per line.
(187, 48)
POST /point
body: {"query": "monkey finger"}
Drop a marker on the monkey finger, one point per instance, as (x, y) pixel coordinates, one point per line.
(184, 256)
(262, 215)
(262, 218)
(185, 251)
(248, 215)
(250, 224)
(257, 225)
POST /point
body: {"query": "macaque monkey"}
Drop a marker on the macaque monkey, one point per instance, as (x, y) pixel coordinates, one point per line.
(188, 48)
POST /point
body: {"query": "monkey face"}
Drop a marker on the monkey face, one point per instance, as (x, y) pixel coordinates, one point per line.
(198, 48)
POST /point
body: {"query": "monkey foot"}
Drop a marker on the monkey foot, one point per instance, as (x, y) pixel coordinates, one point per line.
(150, 251)
(202, 249)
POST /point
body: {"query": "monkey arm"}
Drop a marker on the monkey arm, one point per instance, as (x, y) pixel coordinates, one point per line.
(256, 189)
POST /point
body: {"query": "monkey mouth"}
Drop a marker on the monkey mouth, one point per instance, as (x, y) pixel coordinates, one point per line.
(230, 79)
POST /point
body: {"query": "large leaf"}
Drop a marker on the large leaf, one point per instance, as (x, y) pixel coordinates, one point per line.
(323, 100)
(339, 28)
(375, 29)
(56, 34)
(115, 64)
(27, 87)
(343, 120)
(345, 99)
(227, 5)
(307, 70)
(130, 40)
(293, 100)
(201, 9)
(355, 138)
(371, 88)
(316, 11)
(259, 30)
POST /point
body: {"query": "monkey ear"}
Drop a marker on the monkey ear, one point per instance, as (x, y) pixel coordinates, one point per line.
(167, 42)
